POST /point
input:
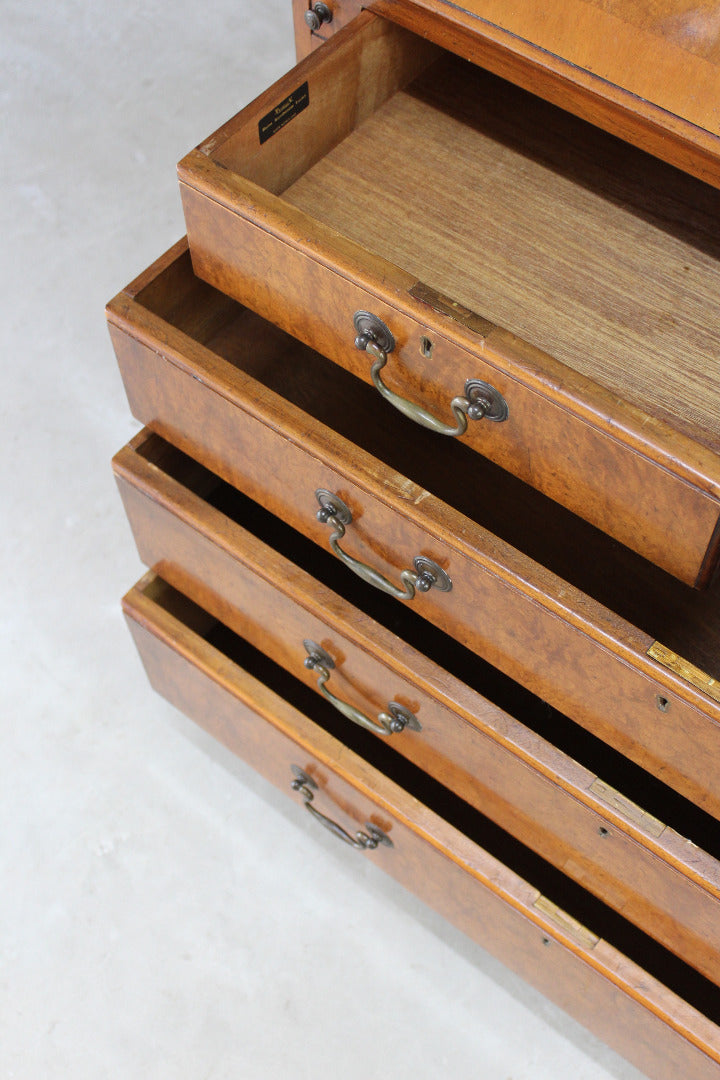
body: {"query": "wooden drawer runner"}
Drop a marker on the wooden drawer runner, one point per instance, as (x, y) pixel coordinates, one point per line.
(279, 422)
(500, 240)
(439, 847)
(574, 818)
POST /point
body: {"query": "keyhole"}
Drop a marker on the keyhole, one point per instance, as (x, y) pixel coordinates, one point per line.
(426, 347)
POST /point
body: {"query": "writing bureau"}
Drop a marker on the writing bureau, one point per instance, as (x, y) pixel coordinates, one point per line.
(530, 770)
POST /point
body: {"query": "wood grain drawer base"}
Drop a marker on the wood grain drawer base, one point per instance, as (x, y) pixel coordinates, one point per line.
(439, 850)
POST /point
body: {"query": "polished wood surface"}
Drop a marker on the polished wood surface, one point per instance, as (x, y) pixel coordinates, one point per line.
(666, 52)
(224, 403)
(609, 992)
(659, 880)
(660, 122)
(638, 463)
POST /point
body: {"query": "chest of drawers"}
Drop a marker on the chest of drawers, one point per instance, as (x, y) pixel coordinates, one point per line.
(512, 713)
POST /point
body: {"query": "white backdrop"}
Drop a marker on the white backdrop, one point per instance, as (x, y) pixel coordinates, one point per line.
(164, 913)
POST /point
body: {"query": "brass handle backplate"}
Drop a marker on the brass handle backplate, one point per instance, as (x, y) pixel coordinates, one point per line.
(362, 841)
(480, 400)
(426, 575)
(395, 720)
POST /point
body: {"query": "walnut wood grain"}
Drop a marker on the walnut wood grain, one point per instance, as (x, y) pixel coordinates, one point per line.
(635, 454)
(586, 975)
(548, 634)
(660, 881)
(678, 42)
(482, 32)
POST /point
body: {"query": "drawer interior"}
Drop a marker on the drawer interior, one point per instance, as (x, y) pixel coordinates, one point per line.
(692, 987)
(597, 757)
(684, 620)
(589, 249)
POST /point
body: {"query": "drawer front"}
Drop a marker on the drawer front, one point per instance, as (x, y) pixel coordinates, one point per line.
(638, 475)
(609, 993)
(663, 883)
(613, 485)
(567, 649)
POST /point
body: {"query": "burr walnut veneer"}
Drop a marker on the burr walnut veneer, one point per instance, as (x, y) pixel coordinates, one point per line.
(487, 660)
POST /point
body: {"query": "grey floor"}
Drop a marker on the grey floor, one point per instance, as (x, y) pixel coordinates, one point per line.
(163, 912)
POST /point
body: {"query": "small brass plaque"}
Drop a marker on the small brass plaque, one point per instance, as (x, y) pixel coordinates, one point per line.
(445, 306)
(629, 810)
(572, 927)
(685, 669)
(283, 113)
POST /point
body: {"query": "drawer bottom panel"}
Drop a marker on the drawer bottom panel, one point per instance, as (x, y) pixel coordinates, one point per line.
(642, 1001)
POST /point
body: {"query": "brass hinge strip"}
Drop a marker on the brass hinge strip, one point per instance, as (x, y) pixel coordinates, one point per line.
(697, 678)
(627, 808)
(445, 306)
(565, 922)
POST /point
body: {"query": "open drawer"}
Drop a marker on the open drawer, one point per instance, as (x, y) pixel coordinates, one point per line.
(500, 270)
(605, 637)
(625, 988)
(383, 667)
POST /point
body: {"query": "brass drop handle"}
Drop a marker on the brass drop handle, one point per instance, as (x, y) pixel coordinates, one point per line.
(395, 720)
(361, 841)
(480, 401)
(426, 575)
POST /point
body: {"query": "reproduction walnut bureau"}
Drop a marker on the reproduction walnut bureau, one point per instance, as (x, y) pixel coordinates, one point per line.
(511, 704)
